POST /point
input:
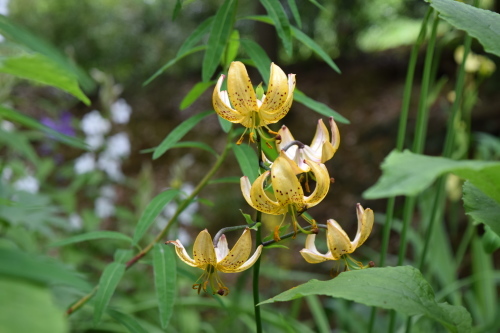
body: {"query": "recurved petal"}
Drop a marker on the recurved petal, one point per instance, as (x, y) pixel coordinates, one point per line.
(365, 225)
(320, 136)
(240, 89)
(249, 263)
(311, 254)
(203, 250)
(238, 254)
(338, 241)
(322, 184)
(256, 196)
(270, 115)
(287, 188)
(221, 104)
(277, 90)
(285, 137)
(182, 253)
(335, 134)
(221, 250)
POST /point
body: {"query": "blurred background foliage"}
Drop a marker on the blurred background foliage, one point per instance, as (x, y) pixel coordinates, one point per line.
(121, 43)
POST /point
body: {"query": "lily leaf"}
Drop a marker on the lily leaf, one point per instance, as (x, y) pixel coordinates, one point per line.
(195, 93)
(277, 14)
(402, 289)
(319, 107)
(481, 207)
(165, 273)
(259, 57)
(108, 282)
(105, 234)
(248, 161)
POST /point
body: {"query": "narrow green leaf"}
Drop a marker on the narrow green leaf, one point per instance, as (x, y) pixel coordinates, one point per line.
(14, 32)
(317, 4)
(482, 208)
(130, 323)
(21, 297)
(20, 143)
(151, 212)
(232, 48)
(319, 107)
(310, 43)
(248, 161)
(165, 272)
(406, 173)
(172, 62)
(402, 289)
(318, 313)
(40, 69)
(177, 9)
(295, 12)
(196, 36)
(219, 35)
(224, 124)
(123, 255)
(276, 12)
(259, 57)
(39, 269)
(225, 180)
(178, 133)
(19, 118)
(195, 144)
(108, 282)
(92, 236)
(195, 93)
(479, 23)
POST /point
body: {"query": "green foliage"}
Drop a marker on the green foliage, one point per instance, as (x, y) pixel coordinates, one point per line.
(248, 161)
(277, 15)
(403, 289)
(92, 236)
(481, 207)
(165, 271)
(108, 282)
(479, 23)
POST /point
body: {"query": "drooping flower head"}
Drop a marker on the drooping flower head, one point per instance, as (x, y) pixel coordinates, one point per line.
(322, 147)
(288, 193)
(239, 103)
(213, 259)
(339, 243)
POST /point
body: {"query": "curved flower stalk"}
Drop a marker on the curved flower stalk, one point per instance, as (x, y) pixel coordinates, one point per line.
(322, 147)
(288, 193)
(239, 104)
(213, 259)
(339, 244)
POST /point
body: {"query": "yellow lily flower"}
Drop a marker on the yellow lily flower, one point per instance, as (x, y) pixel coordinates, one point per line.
(288, 193)
(338, 241)
(213, 259)
(322, 147)
(239, 104)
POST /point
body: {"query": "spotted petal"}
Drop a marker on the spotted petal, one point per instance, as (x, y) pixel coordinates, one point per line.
(338, 241)
(182, 253)
(203, 250)
(222, 106)
(240, 90)
(322, 183)
(279, 96)
(238, 254)
(311, 254)
(249, 263)
(287, 188)
(365, 225)
(256, 196)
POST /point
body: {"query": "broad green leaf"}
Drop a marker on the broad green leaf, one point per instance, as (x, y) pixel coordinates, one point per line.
(479, 23)
(195, 93)
(225, 180)
(195, 144)
(39, 269)
(108, 282)
(406, 173)
(196, 36)
(259, 57)
(127, 320)
(27, 307)
(402, 289)
(232, 48)
(22, 36)
(219, 35)
(224, 124)
(172, 62)
(248, 161)
(92, 236)
(38, 68)
(490, 240)
(178, 133)
(165, 272)
(276, 12)
(19, 118)
(319, 107)
(151, 212)
(482, 208)
(310, 43)
(295, 12)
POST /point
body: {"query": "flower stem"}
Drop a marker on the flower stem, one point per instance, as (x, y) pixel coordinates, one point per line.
(256, 266)
(291, 234)
(184, 204)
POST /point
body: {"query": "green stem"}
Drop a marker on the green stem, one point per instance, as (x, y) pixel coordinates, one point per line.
(291, 234)
(256, 266)
(184, 204)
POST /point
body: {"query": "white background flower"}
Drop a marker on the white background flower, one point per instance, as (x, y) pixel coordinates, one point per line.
(118, 146)
(85, 163)
(28, 184)
(94, 124)
(120, 111)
